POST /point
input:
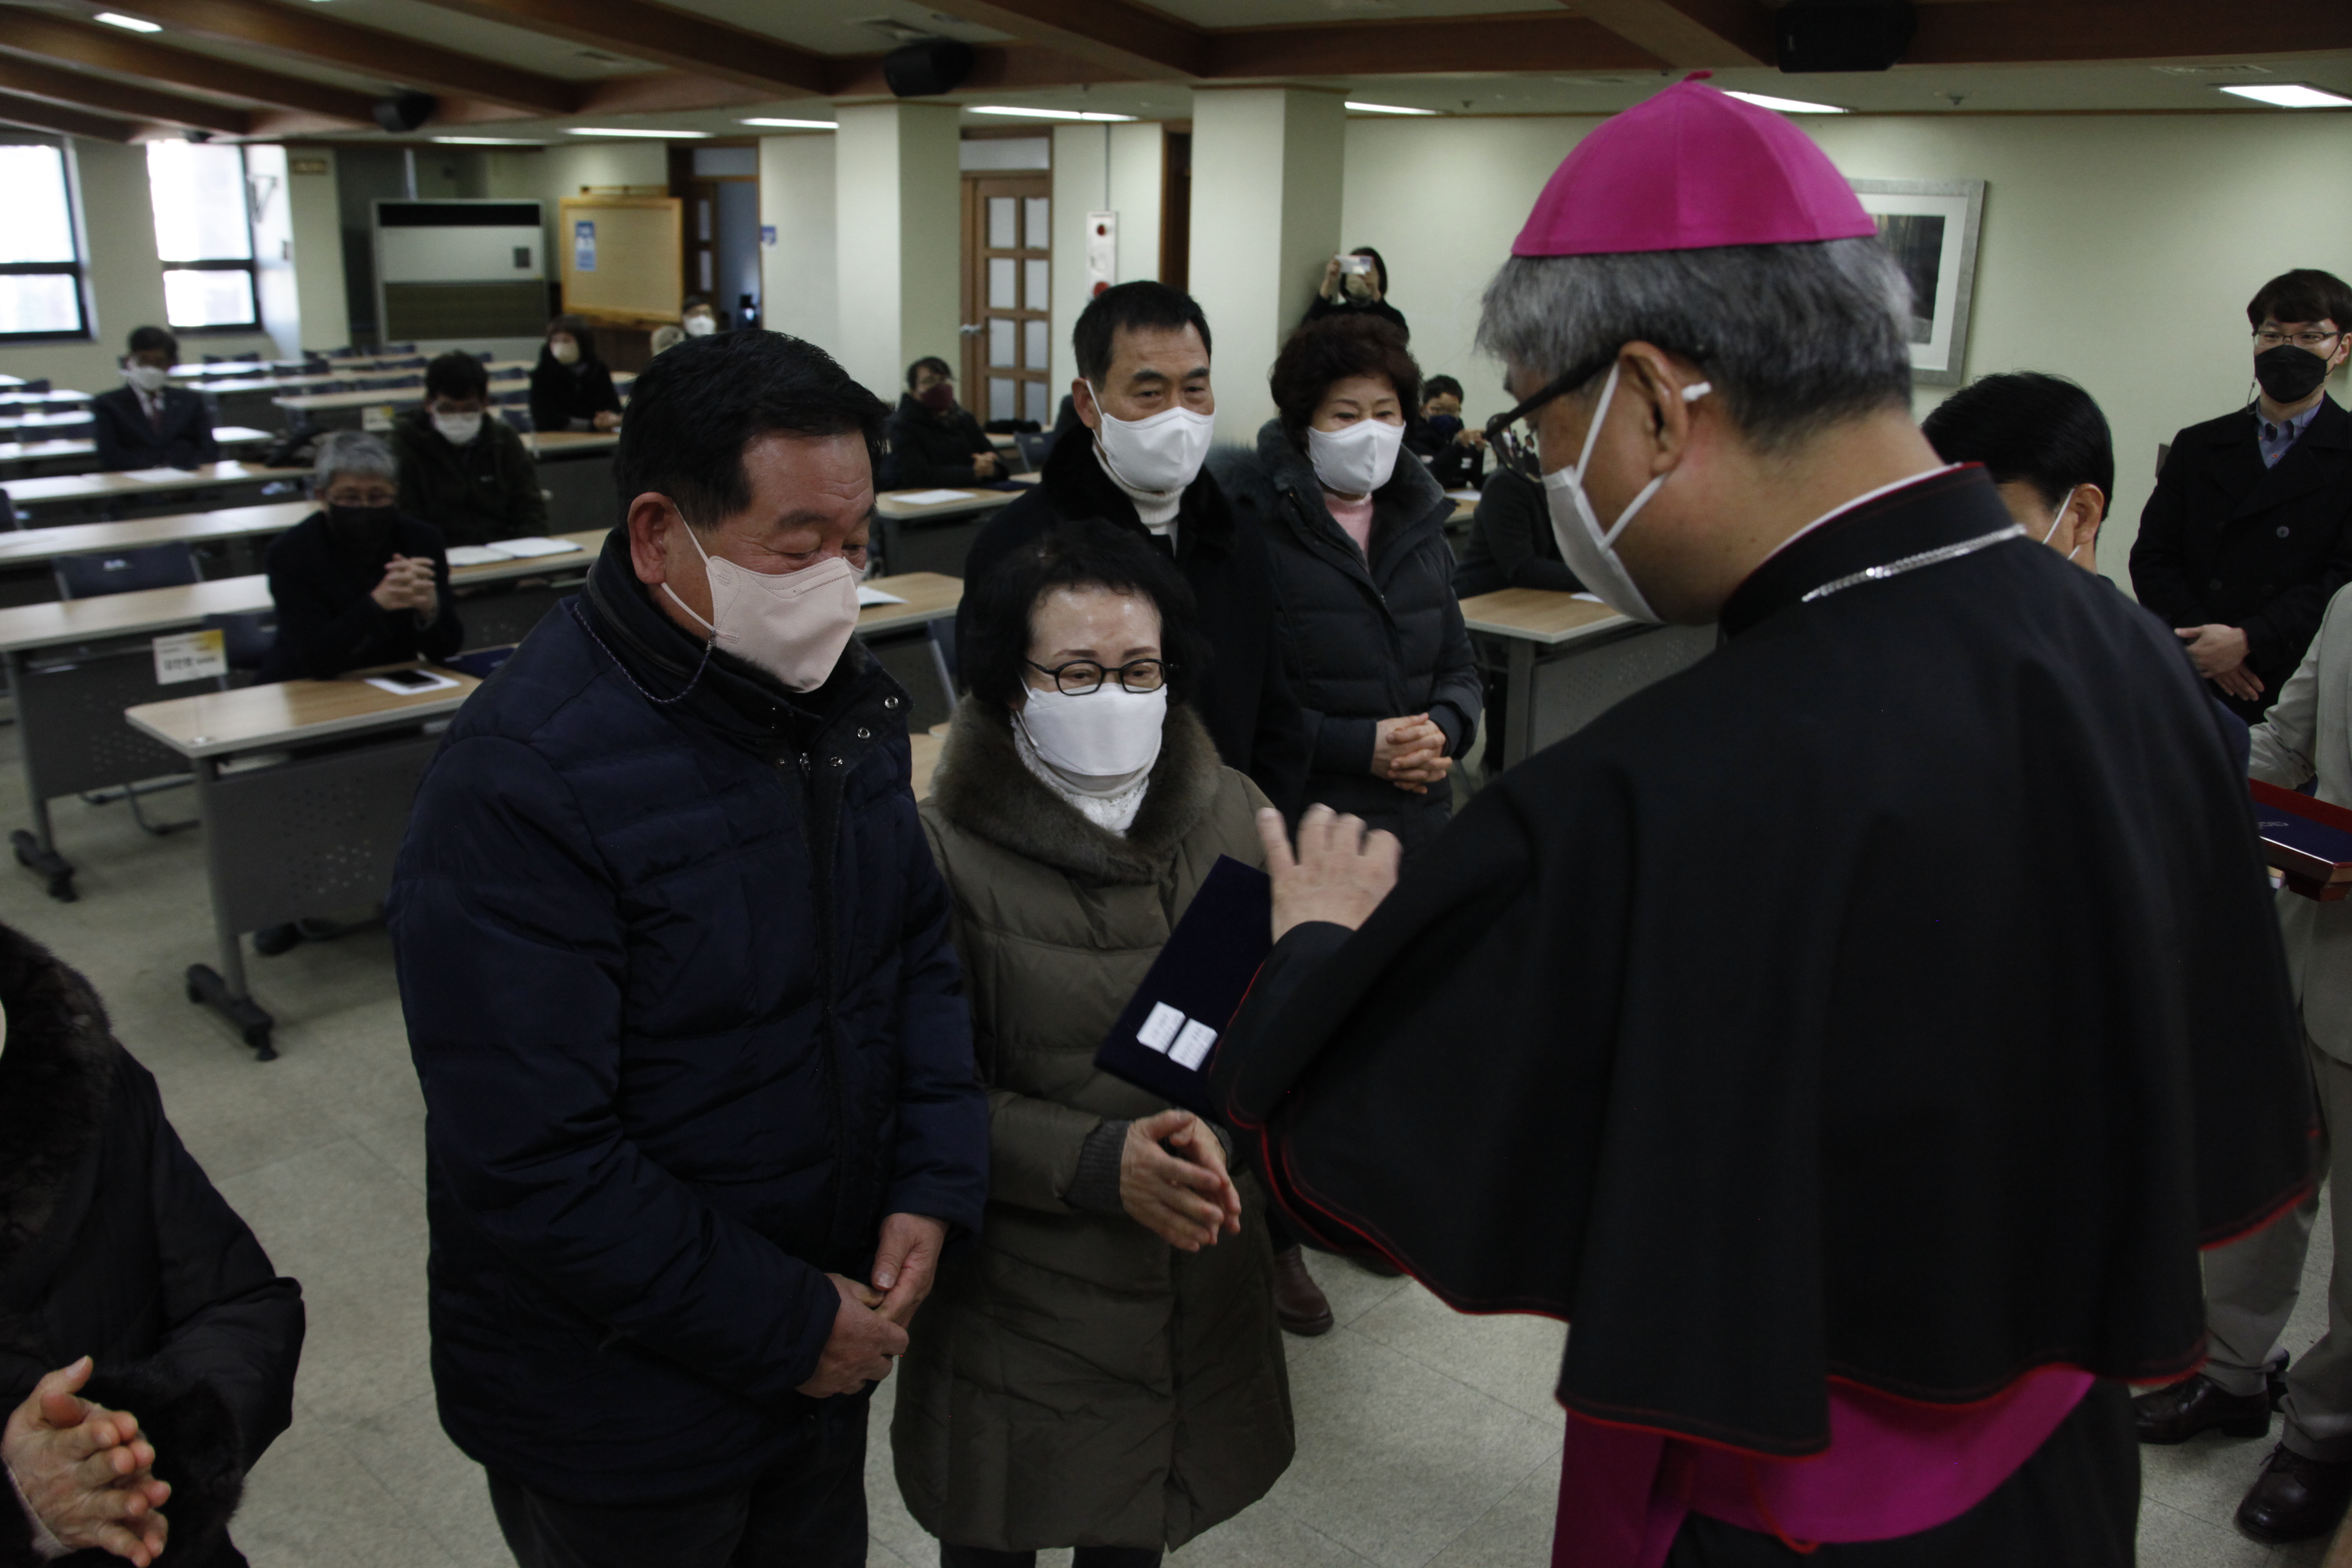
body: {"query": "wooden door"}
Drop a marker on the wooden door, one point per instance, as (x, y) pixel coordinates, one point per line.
(1008, 280)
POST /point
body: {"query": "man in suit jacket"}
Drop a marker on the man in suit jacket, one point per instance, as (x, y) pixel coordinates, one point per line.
(148, 423)
(2245, 537)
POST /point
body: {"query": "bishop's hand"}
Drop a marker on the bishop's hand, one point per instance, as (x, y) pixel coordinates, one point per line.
(1340, 872)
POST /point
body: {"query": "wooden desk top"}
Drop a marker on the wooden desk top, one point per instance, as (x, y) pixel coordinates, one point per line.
(568, 443)
(499, 377)
(929, 595)
(33, 544)
(1538, 615)
(212, 724)
(888, 504)
(61, 396)
(28, 451)
(99, 487)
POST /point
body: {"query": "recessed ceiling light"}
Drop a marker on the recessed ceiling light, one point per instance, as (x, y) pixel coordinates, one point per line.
(132, 24)
(1386, 109)
(2211, 70)
(1041, 113)
(1786, 105)
(2293, 95)
(619, 131)
(488, 142)
(795, 124)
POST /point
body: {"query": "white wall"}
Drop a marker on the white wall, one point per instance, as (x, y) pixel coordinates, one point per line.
(1101, 168)
(2119, 250)
(318, 231)
(797, 272)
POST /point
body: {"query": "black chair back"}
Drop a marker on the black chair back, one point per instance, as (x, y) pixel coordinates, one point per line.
(125, 571)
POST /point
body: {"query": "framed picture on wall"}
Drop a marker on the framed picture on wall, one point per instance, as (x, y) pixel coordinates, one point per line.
(1931, 227)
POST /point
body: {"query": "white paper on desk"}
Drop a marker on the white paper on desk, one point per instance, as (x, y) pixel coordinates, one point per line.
(1461, 495)
(474, 555)
(868, 596)
(533, 545)
(159, 476)
(931, 497)
(1590, 598)
(433, 681)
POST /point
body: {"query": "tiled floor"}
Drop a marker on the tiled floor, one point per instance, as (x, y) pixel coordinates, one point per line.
(1424, 1437)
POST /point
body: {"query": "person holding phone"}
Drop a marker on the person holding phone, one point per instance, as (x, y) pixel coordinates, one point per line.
(1357, 284)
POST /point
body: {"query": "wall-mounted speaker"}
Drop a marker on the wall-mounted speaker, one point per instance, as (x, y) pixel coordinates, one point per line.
(927, 67)
(1842, 34)
(406, 111)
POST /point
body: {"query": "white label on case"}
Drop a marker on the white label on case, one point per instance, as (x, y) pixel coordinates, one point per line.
(1161, 1028)
(1193, 1045)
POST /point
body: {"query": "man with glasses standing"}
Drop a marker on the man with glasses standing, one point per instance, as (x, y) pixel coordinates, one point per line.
(2244, 540)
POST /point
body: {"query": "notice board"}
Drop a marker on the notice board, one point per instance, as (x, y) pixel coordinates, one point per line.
(622, 256)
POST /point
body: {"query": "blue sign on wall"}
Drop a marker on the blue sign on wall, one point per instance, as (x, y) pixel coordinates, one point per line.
(767, 234)
(583, 245)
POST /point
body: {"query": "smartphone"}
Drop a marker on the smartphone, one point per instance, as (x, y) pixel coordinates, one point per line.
(411, 679)
(1361, 266)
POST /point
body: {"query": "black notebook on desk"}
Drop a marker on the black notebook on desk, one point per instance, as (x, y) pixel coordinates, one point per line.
(1167, 1034)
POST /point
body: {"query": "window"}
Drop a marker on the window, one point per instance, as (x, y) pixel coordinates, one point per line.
(203, 233)
(41, 264)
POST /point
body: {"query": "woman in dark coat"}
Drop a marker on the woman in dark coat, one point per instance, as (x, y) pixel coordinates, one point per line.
(137, 1312)
(1372, 634)
(1351, 288)
(570, 387)
(1104, 1370)
(934, 440)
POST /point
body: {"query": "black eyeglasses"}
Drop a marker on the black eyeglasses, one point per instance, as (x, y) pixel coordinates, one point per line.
(1520, 456)
(1083, 678)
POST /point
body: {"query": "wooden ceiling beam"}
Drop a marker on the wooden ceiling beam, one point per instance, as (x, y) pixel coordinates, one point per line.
(664, 92)
(1001, 68)
(304, 33)
(35, 114)
(1140, 44)
(2021, 32)
(42, 36)
(1519, 41)
(1689, 33)
(80, 90)
(665, 36)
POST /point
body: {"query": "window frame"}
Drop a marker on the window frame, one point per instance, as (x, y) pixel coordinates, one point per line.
(77, 269)
(249, 265)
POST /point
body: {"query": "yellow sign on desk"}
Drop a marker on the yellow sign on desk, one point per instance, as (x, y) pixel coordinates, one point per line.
(191, 656)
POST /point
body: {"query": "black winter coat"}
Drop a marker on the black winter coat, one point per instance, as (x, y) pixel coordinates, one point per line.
(681, 999)
(1453, 465)
(113, 1244)
(1244, 696)
(2225, 540)
(1321, 308)
(486, 490)
(126, 440)
(1511, 542)
(328, 624)
(1362, 640)
(927, 452)
(570, 396)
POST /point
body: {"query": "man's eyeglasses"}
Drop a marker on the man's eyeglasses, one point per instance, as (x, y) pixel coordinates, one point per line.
(1083, 678)
(2309, 338)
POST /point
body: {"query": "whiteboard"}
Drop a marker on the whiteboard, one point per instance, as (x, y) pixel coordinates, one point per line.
(621, 256)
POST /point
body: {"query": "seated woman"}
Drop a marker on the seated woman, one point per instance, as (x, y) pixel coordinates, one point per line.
(1363, 578)
(147, 1350)
(1105, 1367)
(933, 441)
(357, 584)
(570, 387)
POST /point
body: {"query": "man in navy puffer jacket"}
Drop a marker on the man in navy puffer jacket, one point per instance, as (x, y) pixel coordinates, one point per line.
(702, 1111)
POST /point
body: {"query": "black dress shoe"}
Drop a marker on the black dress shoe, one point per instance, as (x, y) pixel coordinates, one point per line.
(271, 940)
(2178, 1412)
(1298, 1302)
(2296, 1499)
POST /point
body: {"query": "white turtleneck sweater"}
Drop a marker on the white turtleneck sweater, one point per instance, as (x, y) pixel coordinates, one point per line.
(1107, 802)
(1155, 508)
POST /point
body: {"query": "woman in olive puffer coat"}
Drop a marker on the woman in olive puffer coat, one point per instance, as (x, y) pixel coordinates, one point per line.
(1104, 1370)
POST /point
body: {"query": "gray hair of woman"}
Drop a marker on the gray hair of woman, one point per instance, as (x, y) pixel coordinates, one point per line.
(1795, 338)
(354, 452)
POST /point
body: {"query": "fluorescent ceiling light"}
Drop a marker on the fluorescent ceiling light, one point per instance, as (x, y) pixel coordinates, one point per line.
(2292, 95)
(796, 124)
(1786, 105)
(488, 142)
(1386, 109)
(1041, 113)
(134, 23)
(622, 130)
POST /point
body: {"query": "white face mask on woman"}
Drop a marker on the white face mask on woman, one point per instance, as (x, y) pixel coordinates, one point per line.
(793, 625)
(565, 352)
(1588, 549)
(1109, 732)
(1159, 454)
(1356, 460)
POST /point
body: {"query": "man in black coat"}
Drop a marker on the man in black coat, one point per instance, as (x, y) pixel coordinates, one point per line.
(148, 423)
(462, 469)
(2245, 539)
(1145, 404)
(139, 1318)
(934, 440)
(699, 1072)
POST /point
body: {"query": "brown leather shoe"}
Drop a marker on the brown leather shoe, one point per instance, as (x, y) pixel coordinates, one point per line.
(1298, 1301)
(2178, 1411)
(2296, 1499)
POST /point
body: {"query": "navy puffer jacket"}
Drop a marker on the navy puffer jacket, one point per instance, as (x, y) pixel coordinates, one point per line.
(680, 996)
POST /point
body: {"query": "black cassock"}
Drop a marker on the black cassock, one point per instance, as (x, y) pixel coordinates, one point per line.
(1892, 995)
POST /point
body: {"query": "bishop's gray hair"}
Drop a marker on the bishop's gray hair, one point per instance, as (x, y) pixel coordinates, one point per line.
(352, 452)
(1794, 337)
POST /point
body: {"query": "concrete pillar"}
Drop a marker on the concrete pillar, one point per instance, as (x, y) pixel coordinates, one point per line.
(897, 238)
(797, 281)
(1266, 168)
(317, 224)
(1101, 168)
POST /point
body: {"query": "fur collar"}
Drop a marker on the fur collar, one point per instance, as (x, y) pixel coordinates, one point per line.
(55, 1075)
(984, 788)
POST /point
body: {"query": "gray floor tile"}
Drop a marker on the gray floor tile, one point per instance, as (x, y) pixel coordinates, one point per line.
(1263, 1535)
(1514, 1357)
(2205, 1477)
(1353, 1291)
(1516, 1531)
(369, 1347)
(2171, 1540)
(410, 1456)
(322, 1208)
(310, 1503)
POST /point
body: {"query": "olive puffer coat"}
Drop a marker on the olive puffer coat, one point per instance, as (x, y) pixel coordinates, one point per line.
(1076, 1380)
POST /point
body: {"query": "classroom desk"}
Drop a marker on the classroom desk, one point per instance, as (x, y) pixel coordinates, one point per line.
(1569, 659)
(57, 397)
(75, 666)
(61, 491)
(334, 404)
(937, 535)
(36, 459)
(30, 546)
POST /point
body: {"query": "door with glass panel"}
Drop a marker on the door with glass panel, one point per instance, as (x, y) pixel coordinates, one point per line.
(1008, 334)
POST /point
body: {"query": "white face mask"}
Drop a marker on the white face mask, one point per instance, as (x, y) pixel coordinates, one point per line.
(1163, 453)
(457, 429)
(2060, 516)
(793, 625)
(1109, 732)
(1357, 460)
(146, 377)
(565, 353)
(1588, 549)
(700, 326)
